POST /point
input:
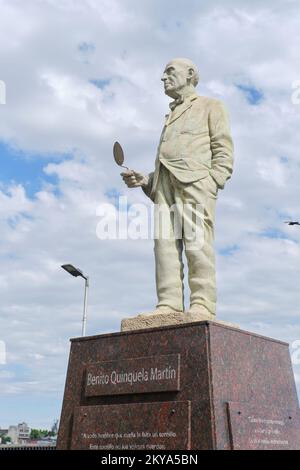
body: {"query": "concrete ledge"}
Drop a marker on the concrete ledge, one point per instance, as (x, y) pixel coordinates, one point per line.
(141, 322)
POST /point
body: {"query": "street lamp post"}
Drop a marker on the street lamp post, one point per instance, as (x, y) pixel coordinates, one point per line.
(77, 272)
(86, 290)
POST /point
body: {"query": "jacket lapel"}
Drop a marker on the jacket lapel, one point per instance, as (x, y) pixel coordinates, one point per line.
(176, 114)
(179, 111)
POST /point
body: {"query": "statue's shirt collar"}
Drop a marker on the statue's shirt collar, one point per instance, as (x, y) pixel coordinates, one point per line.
(182, 100)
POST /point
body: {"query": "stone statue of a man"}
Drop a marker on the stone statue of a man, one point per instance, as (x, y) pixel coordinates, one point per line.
(194, 160)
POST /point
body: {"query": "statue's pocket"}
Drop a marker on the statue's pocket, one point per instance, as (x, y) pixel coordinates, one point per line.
(194, 164)
(194, 127)
(212, 187)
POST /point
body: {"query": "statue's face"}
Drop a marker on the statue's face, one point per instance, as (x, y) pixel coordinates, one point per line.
(175, 78)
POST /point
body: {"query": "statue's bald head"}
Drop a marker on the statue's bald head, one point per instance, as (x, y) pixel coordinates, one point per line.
(188, 65)
(179, 74)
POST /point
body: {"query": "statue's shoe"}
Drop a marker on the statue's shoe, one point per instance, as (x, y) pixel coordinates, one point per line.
(201, 311)
(161, 310)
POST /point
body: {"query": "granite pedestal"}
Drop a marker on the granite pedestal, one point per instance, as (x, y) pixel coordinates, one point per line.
(194, 386)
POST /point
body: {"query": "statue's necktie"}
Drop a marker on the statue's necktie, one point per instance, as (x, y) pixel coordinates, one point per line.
(176, 102)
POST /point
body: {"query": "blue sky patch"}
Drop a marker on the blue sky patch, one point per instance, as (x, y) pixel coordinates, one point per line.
(123, 205)
(17, 167)
(274, 233)
(284, 160)
(86, 47)
(36, 409)
(113, 195)
(17, 370)
(228, 250)
(252, 94)
(99, 83)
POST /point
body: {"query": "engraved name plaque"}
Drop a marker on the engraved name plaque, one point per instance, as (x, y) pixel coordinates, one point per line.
(137, 375)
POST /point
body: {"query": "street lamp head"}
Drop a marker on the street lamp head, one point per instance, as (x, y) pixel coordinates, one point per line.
(72, 270)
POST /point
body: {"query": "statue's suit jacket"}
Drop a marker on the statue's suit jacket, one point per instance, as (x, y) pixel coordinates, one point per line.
(195, 142)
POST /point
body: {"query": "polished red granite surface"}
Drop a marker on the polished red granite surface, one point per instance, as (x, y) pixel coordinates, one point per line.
(138, 426)
(198, 372)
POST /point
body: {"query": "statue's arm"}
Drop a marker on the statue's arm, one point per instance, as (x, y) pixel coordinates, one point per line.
(221, 144)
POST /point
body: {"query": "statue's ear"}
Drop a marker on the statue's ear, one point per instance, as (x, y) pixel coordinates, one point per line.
(191, 73)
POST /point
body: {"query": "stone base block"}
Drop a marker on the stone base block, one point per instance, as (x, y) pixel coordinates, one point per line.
(190, 386)
(166, 319)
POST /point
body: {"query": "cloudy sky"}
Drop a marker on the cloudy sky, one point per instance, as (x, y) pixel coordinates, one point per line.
(80, 74)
